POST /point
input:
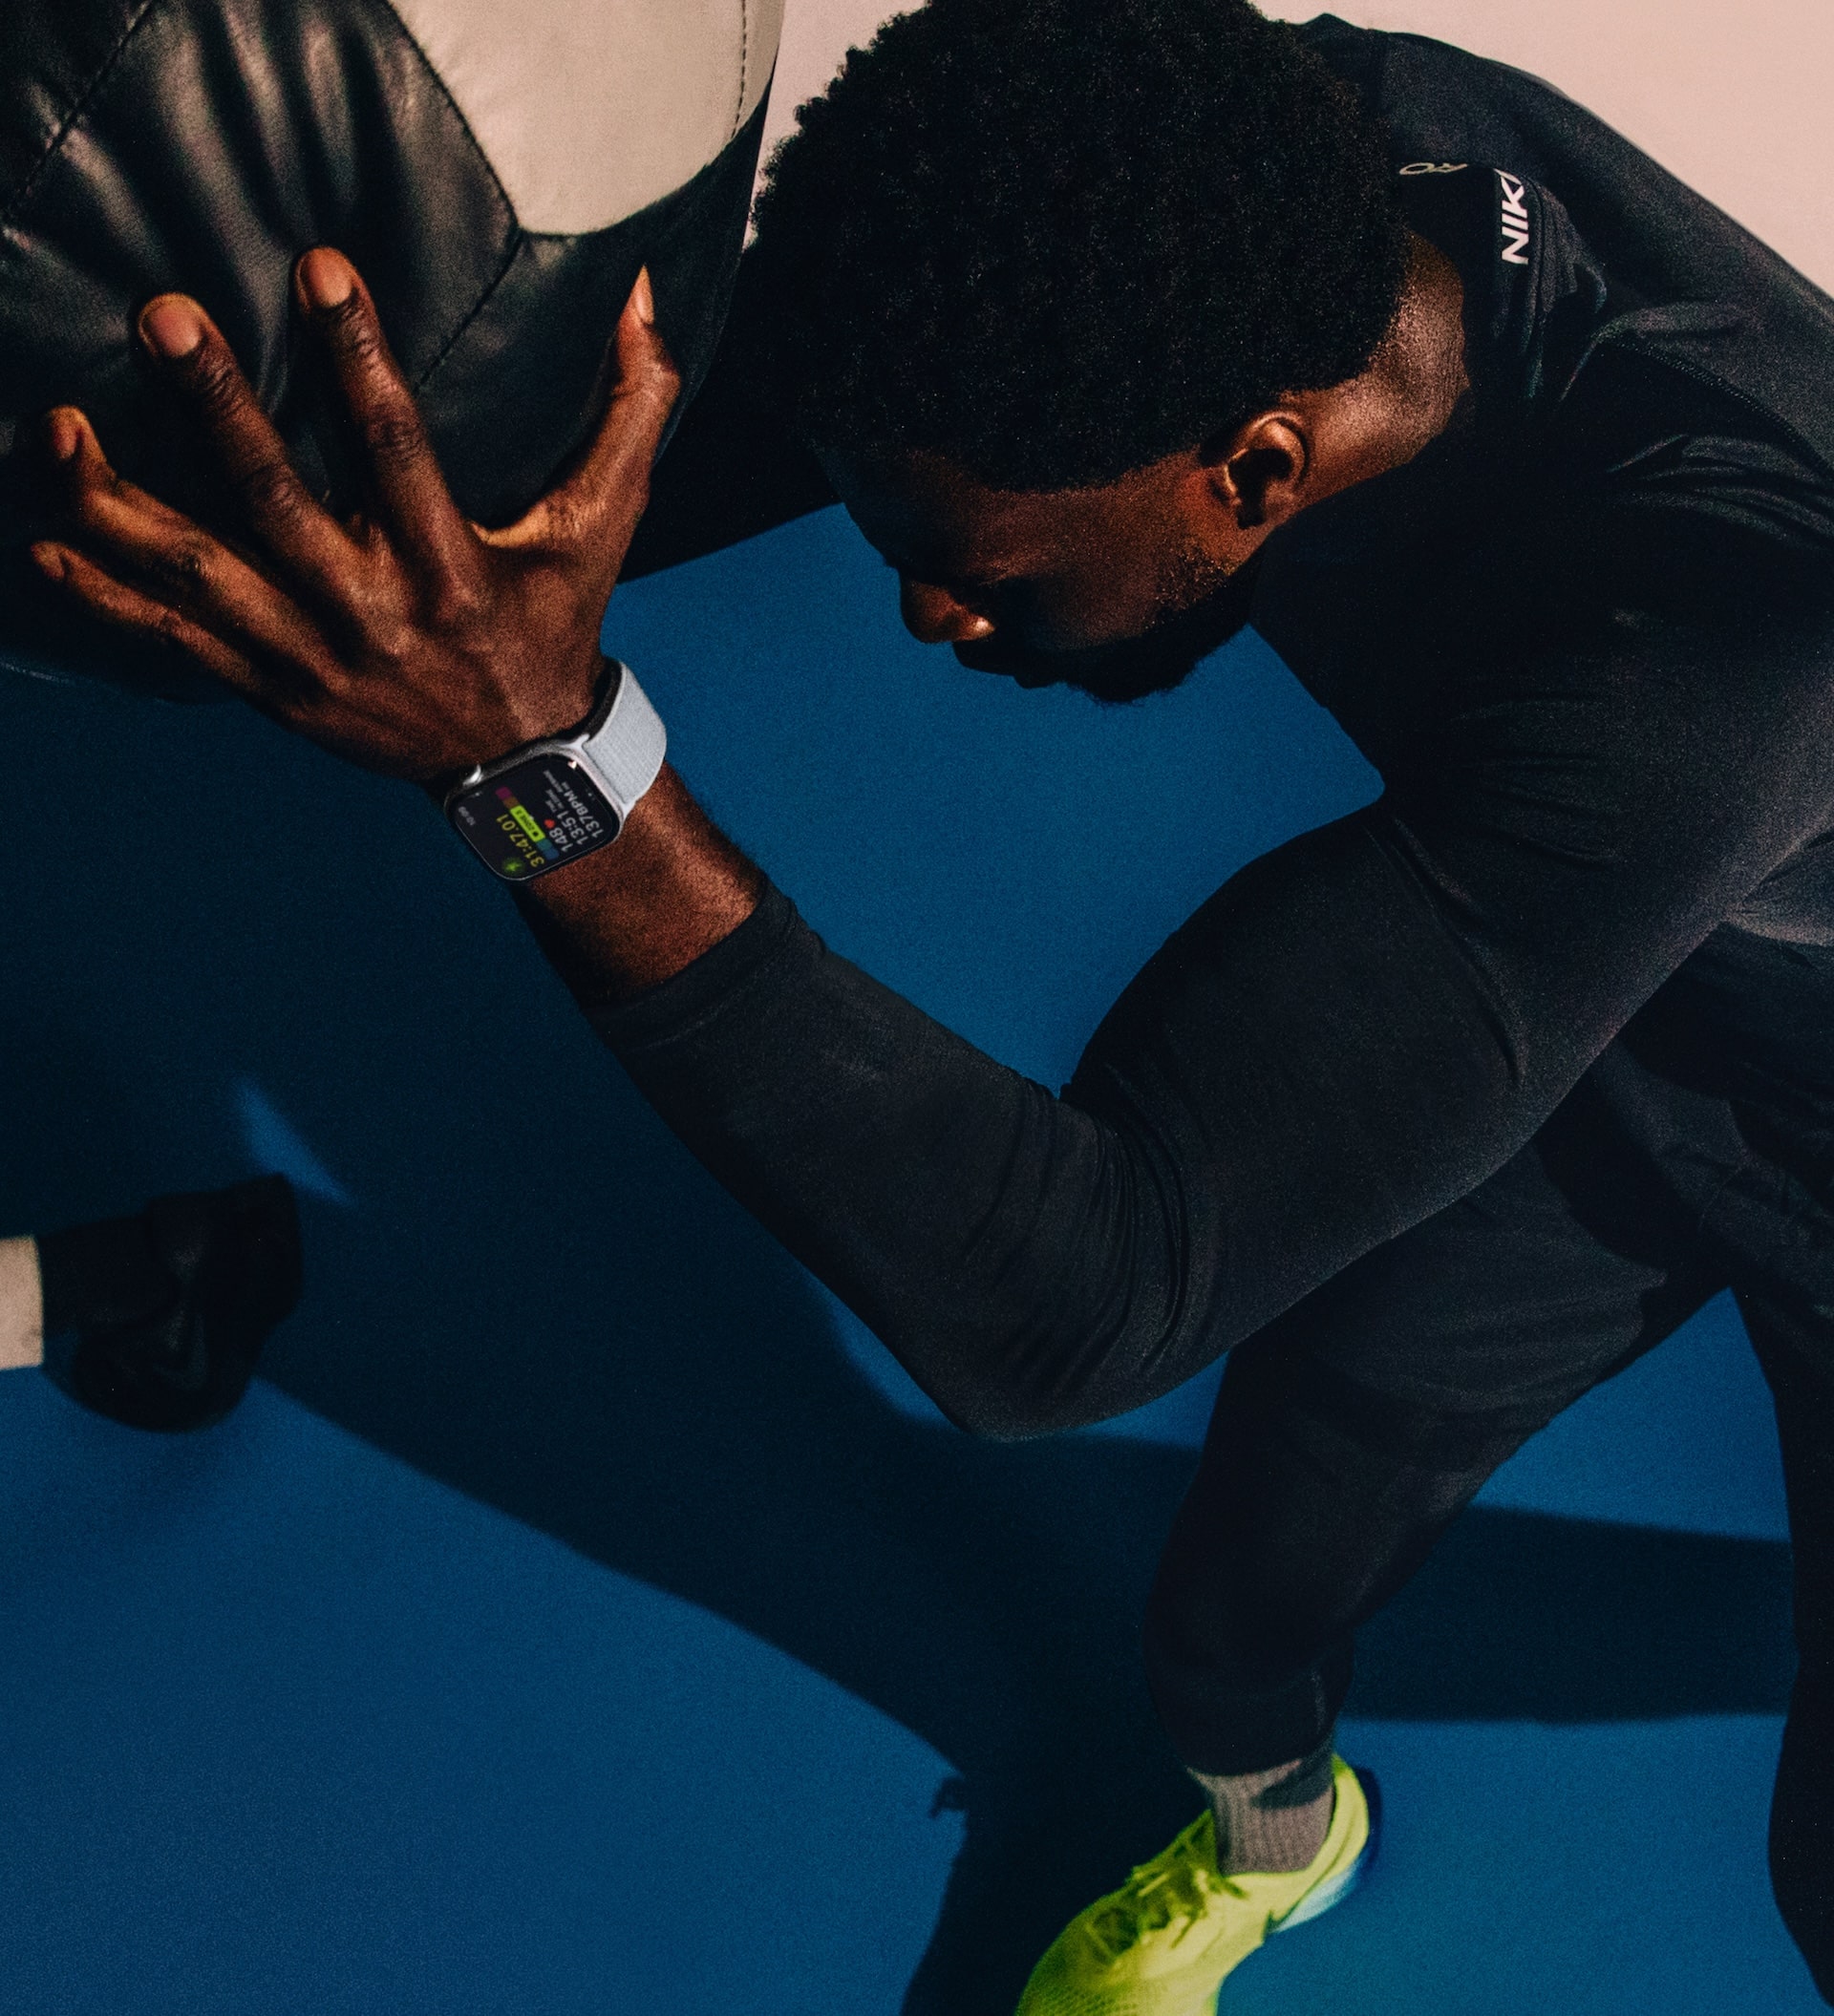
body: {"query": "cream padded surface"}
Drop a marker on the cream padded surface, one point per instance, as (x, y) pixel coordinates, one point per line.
(589, 108)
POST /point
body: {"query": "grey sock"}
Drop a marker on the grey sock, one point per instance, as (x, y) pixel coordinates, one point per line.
(1268, 1820)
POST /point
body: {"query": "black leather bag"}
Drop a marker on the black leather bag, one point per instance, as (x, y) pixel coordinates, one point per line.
(204, 145)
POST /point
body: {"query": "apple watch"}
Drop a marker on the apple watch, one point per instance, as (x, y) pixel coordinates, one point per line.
(551, 801)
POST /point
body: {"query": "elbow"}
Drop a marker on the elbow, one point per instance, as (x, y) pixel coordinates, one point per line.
(1061, 1334)
(1017, 1407)
(995, 1417)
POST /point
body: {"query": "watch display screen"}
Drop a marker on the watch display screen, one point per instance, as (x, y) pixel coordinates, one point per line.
(541, 815)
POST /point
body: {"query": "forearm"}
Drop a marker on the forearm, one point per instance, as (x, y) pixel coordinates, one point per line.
(1036, 1262)
(1007, 1247)
(636, 913)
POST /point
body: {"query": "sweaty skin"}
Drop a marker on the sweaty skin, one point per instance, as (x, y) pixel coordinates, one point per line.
(414, 643)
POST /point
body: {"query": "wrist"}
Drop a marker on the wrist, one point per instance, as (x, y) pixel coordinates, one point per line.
(552, 801)
(632, 916)
(563, 710)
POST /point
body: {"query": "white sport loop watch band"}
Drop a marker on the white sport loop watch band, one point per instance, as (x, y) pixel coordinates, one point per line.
(555, 800)
(624, 742)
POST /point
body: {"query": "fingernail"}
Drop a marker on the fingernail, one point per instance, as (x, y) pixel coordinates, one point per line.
(643, 298)
(63, 435)
(49, 560)
(173, 327)
(326, 278)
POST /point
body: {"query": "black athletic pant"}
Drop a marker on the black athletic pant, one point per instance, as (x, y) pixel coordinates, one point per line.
(1349, 1434)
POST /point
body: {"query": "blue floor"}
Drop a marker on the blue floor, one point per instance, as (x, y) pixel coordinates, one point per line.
(585, 1615)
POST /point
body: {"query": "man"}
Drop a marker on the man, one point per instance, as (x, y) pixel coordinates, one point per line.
(1117, 324)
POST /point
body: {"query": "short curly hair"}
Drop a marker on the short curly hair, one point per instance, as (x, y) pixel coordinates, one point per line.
(1055, 240)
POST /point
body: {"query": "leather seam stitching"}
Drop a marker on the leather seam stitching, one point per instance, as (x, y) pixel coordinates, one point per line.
(476, 309)
(457, 112)
(516, 234)
(84, 98)
(744, 58)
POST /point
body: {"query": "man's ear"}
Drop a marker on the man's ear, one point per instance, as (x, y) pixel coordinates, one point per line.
(1257, 472)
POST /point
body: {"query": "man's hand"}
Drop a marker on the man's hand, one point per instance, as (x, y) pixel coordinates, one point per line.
(408, 640)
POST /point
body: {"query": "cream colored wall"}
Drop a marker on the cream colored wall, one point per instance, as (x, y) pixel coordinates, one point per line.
(1737, 96)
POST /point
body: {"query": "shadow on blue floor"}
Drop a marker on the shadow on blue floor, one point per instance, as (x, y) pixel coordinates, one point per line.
(531, 1295)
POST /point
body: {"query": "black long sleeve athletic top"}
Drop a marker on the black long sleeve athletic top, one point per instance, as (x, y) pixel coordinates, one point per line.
(1586, 638)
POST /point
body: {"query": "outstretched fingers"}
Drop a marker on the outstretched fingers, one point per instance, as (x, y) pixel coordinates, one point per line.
(282, 514)
(137, 561)
(593, 512)
(128, 609)
(401, 468)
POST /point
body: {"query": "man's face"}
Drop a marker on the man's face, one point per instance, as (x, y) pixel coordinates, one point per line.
(1118, 590)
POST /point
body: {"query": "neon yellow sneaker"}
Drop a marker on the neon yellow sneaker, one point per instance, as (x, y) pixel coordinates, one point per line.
(1161, 1945)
